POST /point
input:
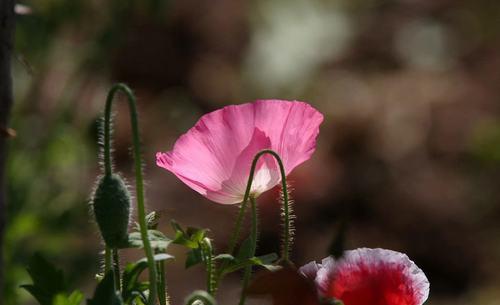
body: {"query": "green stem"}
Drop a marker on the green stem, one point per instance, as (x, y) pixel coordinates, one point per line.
(253, 237)
(285, 249)
(116, 268)
(286, 211)
(162, 292)
(139, 184)
(107, 259)
(208, 253)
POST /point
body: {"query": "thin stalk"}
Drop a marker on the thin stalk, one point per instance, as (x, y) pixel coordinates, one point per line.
(139, 183)
(116, 269)
(285, 249)
(162, 291)
(207, 252)
(107, 259)
(253, 236)
(286, 211)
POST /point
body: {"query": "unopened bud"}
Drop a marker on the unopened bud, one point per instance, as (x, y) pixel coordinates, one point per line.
(111, 205)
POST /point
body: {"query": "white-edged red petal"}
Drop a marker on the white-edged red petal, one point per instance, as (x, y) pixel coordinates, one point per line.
(372, 276)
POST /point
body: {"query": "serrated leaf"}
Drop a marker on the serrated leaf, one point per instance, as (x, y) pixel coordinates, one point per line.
(190, 238)
(194, 257)
(74, 298)
(157, 239)
(196, 234)
(263, 261)
(48, 281)
(132, 288)
(105, 292)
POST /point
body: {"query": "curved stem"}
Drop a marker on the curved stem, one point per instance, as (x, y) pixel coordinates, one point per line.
(286, 211)
(253, 237)
(139, 184)
(241, 214)
(116, 269)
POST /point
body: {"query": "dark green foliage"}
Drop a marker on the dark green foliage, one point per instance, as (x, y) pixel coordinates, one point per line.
(111, 205)
(245, 250)
(132, 287)
(105, 292)
(234, 264)
(191, 237)
(74, 298)
(47, 280)
(194, 257)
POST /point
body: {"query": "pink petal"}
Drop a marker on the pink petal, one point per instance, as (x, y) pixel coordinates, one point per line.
(214, 157)
(374, 276)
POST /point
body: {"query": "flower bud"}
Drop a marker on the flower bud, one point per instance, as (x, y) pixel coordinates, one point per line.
(111, 205)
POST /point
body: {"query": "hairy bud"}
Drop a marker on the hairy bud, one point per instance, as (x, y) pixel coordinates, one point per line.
(111, 205)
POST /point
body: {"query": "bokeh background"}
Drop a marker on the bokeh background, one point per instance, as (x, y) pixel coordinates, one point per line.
(408, 155)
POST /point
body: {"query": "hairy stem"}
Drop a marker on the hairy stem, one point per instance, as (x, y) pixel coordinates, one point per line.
(116, 268)
(287, 226)
(207, 252)
(139, 183)
(107, 259)
(162, 291)
(253, 238)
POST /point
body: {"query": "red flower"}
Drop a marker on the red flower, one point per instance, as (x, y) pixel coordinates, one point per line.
(370, 276)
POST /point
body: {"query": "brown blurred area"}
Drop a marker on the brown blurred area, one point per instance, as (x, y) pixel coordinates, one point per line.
(408, 154)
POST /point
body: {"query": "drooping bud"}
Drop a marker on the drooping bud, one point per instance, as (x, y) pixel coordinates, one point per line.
(111, 205)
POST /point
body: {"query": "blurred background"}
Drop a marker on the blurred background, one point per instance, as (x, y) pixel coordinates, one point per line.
(408, 155)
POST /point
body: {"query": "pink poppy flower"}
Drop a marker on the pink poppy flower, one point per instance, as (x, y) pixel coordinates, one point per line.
(370, 276)
(214, 157)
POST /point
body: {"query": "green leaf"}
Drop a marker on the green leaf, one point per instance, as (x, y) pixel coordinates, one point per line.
(191, 237)
(158, 240)
(267, 258)
(245, 250)
(195, 234)
(131, 287)
(194, 257)
(73, 299)
(158, 257)
(264, 261)
(225, 257)
(47, 280)
(105, 292)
